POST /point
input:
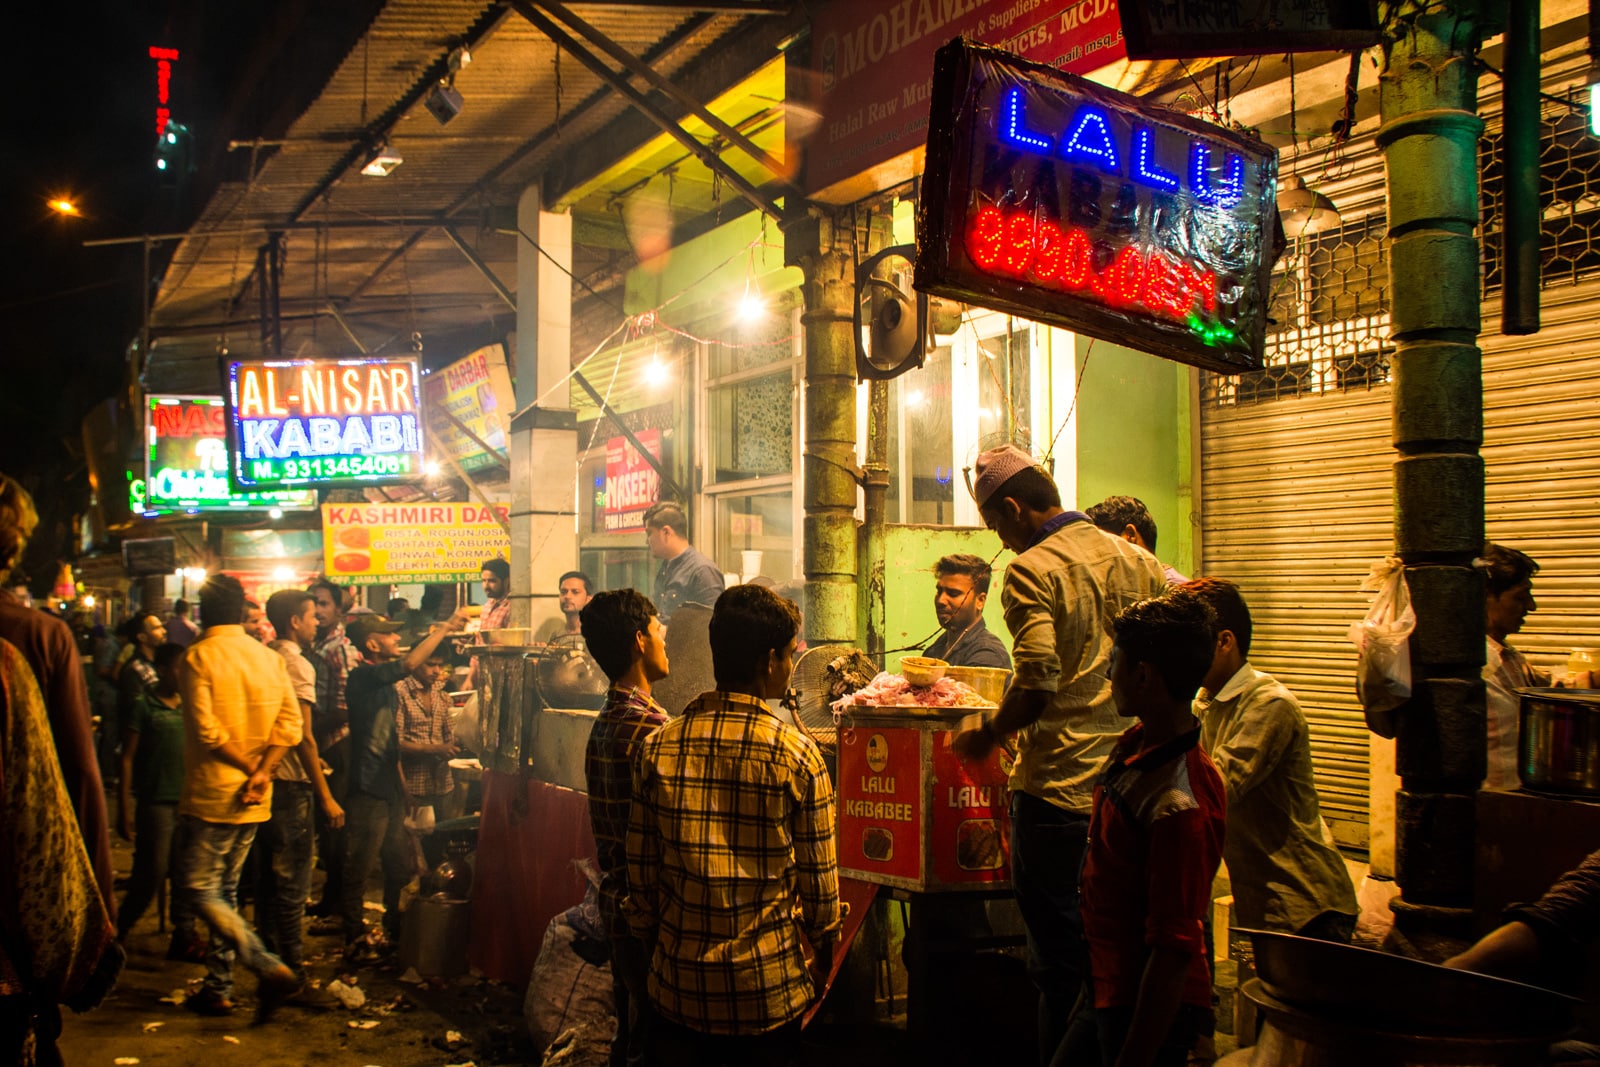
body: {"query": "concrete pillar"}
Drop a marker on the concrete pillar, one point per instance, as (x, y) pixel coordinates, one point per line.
(820, 248)
(1429, 138)
(544, 437)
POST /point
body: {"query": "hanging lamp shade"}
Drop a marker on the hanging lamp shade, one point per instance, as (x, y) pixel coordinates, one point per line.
(1304, 210)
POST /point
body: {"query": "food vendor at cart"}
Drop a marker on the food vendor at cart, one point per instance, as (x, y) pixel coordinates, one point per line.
(961, 588)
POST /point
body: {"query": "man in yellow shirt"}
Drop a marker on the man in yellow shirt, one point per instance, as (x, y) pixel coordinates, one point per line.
(240, 716)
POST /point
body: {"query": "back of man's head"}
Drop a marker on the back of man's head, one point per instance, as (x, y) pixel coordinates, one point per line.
(1225, 599)
(18, 519)
(180, 608)
(667, 513)
(610, 622)
(747, 623)
(1115, 514)
(283, 606)
(222, 601)
(1176, 633)
(975, 567)
(1506, 568)
(1032, 487)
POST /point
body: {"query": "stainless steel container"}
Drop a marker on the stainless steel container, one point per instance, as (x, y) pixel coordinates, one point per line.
(1559, 746)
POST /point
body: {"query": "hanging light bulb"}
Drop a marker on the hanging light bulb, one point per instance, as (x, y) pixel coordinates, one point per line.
(1304, 210)
(751, 307)
(656, 373)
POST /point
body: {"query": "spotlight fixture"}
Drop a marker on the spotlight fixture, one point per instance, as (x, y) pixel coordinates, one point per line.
(381, 162)
(444, 103)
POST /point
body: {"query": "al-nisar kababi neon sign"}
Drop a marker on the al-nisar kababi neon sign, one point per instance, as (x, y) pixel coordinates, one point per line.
(1051, 197)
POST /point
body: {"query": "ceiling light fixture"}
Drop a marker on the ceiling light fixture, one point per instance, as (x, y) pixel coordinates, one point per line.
(444, 103)
(1301, 209)
(381, 162)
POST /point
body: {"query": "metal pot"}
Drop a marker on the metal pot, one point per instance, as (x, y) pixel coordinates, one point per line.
(1559, 746)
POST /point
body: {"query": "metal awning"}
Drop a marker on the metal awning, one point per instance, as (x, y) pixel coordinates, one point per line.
(367, 262)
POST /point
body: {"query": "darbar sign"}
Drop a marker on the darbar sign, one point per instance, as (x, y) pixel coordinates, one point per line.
(324, 422)
(1050, 197)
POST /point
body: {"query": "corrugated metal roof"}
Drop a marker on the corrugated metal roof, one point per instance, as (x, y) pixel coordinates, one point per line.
(522, 109)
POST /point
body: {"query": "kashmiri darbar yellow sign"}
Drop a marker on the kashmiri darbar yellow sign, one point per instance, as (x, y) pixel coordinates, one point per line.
(373, 544)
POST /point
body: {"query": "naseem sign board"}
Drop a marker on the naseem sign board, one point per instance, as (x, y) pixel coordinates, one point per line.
(324, 422)
(632, 484)
(1050, 197)
(186, 461)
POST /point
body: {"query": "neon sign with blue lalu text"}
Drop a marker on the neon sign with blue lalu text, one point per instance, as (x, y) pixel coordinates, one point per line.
(1054, 198)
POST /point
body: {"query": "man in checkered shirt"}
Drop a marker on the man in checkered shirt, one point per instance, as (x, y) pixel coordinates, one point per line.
(732, 866)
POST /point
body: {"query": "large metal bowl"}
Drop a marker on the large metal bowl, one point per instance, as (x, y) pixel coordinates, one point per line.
(1375, 988)
(1558, 748)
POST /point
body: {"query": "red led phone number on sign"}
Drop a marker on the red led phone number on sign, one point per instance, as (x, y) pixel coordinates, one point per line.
(1015, 244)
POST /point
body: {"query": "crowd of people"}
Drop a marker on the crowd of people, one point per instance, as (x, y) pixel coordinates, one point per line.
(1148, 751)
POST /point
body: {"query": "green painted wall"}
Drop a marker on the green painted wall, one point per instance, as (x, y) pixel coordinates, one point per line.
(709, 273)
(1134, 415)
(909, 555)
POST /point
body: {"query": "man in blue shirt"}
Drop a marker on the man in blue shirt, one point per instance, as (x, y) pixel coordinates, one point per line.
(375, 808)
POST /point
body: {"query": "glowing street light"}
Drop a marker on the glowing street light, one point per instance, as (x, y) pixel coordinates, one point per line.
(62, 205)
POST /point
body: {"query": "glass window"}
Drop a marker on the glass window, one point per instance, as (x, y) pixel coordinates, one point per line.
(755, 535)
(921, 443)
(752, 427)
(1004, 398)
(762, 336)
(619, 568)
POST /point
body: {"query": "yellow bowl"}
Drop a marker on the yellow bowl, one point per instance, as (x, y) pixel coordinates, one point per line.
(922, 670)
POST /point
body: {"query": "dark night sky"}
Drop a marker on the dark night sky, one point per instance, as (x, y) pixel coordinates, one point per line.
(83, 114)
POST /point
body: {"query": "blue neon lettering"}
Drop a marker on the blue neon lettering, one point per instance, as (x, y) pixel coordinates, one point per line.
(1144, 165)
(1224, 194)
(1091, 145)
(1012, 128)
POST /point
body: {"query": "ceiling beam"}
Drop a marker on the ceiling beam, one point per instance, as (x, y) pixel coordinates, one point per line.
(668, 125)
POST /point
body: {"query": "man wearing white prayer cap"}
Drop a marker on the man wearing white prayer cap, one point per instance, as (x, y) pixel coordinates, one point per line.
(1069, 580)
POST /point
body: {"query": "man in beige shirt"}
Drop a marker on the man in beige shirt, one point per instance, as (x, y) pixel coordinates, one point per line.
(1508, 576)
(240, 718)
(1285, 875)
(1061, 593)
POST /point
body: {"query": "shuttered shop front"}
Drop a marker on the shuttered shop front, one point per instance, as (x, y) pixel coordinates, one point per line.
(1297, 497)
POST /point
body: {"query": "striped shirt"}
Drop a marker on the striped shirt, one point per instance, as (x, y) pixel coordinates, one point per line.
(731, 861)
(628, 718)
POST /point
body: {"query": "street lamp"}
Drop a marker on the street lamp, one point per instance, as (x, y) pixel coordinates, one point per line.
(62, 205)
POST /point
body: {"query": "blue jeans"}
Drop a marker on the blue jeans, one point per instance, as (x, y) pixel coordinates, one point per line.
(283, 871)
(208, 869)
(1047, 847)
(374, 831)
(154, 826)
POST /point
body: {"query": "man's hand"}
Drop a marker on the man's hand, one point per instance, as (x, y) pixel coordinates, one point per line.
(446, 750)
(255, 789)
(974, 738)
(821, 965)
(334, 813)
(457, 622)
(125, 826)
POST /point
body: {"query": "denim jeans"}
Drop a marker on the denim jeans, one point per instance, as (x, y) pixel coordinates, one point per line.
(1047, 847)
(331, 842)
(213, 855)
(154, 826)
(374, 830)
(283, 871)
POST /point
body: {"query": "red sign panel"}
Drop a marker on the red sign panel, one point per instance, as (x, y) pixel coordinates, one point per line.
(632, 484)
(880, 802)
(971, 835)
(876, 66)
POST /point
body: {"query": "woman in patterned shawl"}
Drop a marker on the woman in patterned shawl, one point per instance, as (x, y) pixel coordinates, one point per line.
(57, 944)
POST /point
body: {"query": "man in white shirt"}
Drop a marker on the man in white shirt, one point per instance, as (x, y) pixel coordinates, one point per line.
(1509, 580)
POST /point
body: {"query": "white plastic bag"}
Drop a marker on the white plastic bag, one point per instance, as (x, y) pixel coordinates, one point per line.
(421, 821)
(1382, 640)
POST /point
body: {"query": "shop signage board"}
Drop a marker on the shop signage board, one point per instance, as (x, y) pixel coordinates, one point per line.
(912, 814)
(324, 422)
(632, 485)
(476, 393)
(186, 462)
(1159, 29)
(874, 61)
(147, 556)
(1052, 198)
(373, 544)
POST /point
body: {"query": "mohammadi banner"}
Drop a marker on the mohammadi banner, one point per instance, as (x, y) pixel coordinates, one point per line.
(875, 61)
(471, 398)
(370, 544)
(632, 484)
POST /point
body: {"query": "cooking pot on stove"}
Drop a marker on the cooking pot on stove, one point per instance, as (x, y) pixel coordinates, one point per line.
(1559, 746)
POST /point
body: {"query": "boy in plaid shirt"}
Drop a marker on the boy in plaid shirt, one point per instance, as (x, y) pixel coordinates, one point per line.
(733, 867)
(426, 740)
(625, 636)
